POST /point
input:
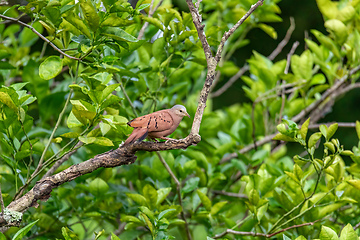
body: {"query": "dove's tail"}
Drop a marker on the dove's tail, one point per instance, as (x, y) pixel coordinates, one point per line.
(138, 134)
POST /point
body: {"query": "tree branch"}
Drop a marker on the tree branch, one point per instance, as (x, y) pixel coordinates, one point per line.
(230, 194)
(246, 67)
(262, 234)
(151, 13)
(63, 159)
(233, 29)
(40, 35)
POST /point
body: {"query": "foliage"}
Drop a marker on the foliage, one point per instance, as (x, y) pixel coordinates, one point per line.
(49, 103)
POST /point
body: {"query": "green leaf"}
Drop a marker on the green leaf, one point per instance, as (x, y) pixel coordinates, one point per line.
(2, 236)
(114, 21)
(205, 200)
(357, 127)
(304, 129)
(331, 131)
(50, 68)
(137, 198)
(348, 233)
(98, 187)
(119, 34)
(268, 30)
(148, 223)
(314, 138)
(302, 65)
(77, 24)
(6, 65)
(22, 232)
(329, 209)
(150, 194)
(159, 50)
(166, 213)
(154, 21)
(162, 193)
(217, 207)
(129, 218)
(327, 42)
(282, 137)
(190, 185)
(97, 235)
(102, 141)
(114, 237)
(354, 183)
(53, 14)
(108, 90)
(176, 222)
(330, 146)
(293, 177)
(338, 29)
(254, 197)
(148, 212)
(90, 14)
(323, 129)
(286, 237)
(68, 234)
(328, 234)
(6, 99)
(73, 122)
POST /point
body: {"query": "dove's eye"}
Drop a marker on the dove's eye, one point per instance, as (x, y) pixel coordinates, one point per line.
(180, 110)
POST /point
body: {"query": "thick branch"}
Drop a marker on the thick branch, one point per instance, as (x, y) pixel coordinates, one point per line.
(200, 30)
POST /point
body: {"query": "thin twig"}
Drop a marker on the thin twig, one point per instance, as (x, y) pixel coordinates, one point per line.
(356, 226)
(246, 67)
(39, 34)
(233, 29)
(178, 188)
(254, 234)
(230, 194)
(117, 78)
(231, 81)
(151, 13)
(284, 42)
(288, 57)
(286, 71)
(61, 161)
(323, 97)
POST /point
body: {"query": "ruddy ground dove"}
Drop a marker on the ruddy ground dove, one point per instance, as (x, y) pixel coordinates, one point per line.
(157, 124)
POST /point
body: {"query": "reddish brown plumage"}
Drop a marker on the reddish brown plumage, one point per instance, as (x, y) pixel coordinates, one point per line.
(157, 124)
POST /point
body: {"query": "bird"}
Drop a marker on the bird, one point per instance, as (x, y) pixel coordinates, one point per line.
(157, 124)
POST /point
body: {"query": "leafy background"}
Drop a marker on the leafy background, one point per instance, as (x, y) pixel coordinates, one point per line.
(272, 186)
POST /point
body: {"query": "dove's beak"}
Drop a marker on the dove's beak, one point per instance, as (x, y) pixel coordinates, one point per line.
(187, 115)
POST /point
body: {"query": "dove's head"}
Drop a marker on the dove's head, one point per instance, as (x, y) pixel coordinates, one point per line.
(180, 110)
